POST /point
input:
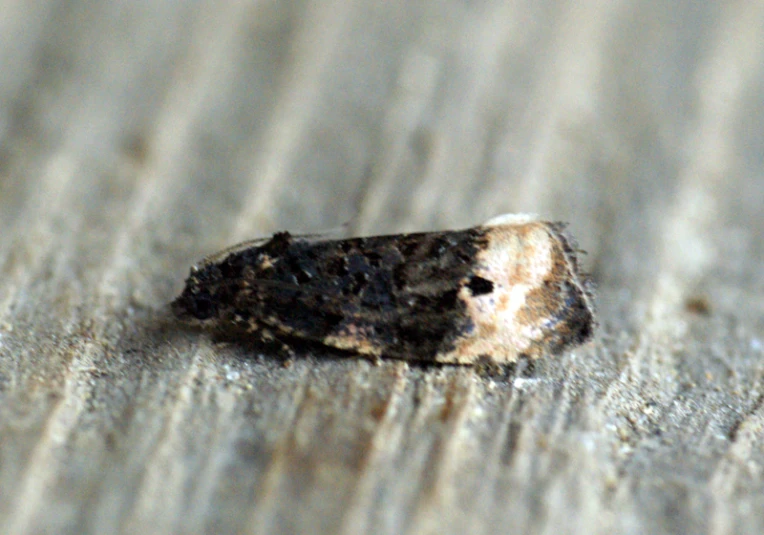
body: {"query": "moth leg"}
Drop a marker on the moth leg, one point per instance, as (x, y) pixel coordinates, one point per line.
(488, 368)
(283, 348)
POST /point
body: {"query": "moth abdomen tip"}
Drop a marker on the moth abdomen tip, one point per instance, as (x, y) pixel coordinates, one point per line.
(198, 301)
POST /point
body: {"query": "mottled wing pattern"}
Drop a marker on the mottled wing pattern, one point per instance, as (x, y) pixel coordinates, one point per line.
(395, 295)
(503, 290)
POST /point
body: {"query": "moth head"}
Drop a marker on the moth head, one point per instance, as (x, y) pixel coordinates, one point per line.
(558, 308)
(527, 294)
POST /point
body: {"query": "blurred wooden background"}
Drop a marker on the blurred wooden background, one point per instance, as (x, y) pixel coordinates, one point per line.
(139, 136)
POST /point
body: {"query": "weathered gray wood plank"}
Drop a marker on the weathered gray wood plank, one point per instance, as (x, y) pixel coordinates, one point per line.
(137, 137)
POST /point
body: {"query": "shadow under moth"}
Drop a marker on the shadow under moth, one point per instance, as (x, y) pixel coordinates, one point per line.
(511, 287)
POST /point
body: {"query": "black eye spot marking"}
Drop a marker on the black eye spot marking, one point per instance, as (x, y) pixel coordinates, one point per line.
(480, 286)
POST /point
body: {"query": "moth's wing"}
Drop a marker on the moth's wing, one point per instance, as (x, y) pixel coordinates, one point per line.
(417, 326)
(396, 295)
(216, 257)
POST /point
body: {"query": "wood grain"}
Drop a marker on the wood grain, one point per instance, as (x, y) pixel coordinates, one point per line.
(137, 137)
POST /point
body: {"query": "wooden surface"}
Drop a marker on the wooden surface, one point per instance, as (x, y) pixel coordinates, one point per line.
(137, 137)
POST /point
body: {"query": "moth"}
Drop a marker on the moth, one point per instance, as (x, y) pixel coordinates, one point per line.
(511, 287)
